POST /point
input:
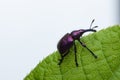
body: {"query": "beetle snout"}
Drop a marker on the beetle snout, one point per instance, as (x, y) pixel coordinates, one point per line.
(94, 31)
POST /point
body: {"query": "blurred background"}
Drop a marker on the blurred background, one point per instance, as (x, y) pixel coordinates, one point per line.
(30, 29)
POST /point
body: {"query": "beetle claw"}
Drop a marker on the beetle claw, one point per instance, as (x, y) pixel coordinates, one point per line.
(77, 64)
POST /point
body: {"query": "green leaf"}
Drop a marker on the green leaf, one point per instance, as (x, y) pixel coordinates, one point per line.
(105, 44)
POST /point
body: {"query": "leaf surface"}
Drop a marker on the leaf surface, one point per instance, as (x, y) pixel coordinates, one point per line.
(104, 43)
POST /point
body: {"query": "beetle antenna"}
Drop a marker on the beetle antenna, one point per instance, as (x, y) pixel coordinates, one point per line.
(94, 27)
(92, 23)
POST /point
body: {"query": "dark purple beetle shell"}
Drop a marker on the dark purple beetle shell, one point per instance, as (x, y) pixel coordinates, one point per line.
(68, 40)
(76, 34)
(65, 43)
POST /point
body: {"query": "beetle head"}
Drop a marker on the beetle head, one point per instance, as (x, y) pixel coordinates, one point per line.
(76, 34)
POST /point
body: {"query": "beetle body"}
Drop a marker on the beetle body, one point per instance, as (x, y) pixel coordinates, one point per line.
(68, 40)
(65, 43)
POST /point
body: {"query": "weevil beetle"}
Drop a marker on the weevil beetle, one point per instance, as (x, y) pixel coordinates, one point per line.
(68, 40)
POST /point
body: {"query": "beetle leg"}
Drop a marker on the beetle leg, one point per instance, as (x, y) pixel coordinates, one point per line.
(61, 60)
(87, 48)
(62, 57)
(75, 55)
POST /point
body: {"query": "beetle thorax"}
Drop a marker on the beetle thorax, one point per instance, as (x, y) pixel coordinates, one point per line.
(77, 34)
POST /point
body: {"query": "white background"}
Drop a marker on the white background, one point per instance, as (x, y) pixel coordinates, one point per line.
(30, 29)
